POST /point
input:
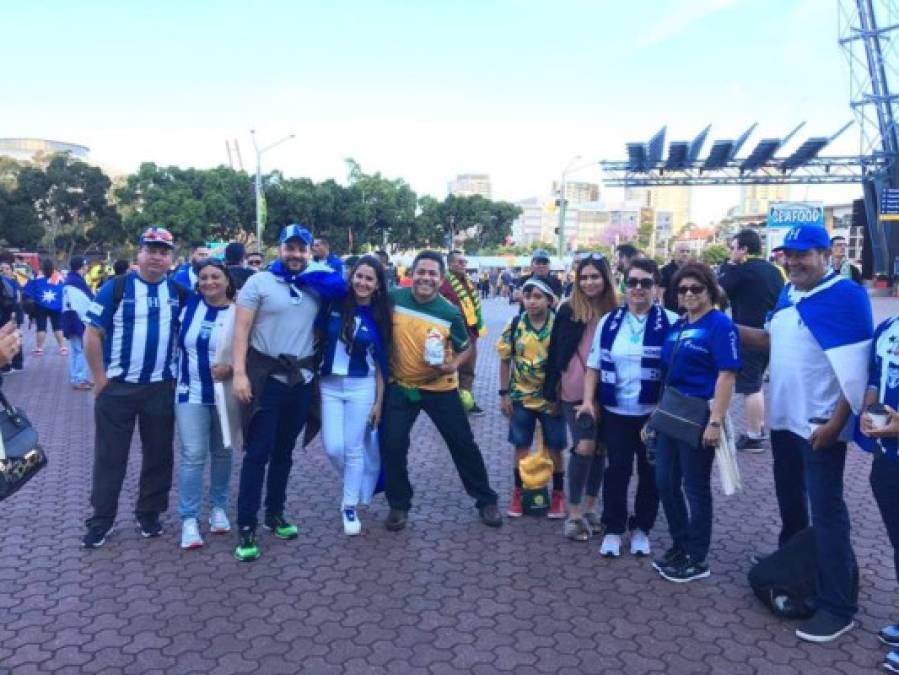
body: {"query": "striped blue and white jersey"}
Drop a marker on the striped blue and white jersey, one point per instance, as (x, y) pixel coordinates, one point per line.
(139, 340)
(198, 339)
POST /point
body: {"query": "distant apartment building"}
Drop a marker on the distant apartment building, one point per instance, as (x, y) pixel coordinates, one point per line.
(673, 199)
(470, 184)
(578, 192)
(754, 199)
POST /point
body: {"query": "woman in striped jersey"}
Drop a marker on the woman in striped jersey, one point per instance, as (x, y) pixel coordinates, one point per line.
(203, 320)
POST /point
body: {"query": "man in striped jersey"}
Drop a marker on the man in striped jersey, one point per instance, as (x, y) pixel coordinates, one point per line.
(129, 344)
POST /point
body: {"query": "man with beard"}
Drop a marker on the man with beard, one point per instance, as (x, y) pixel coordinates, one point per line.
(274, 364)
(430, 342)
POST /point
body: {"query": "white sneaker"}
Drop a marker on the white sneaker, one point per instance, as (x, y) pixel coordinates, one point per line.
(611, 546)
(640, 543)
(190, 534)
(351, 523)
(218, 521)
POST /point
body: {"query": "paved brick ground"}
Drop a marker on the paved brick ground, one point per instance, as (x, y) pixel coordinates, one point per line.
(446, 595)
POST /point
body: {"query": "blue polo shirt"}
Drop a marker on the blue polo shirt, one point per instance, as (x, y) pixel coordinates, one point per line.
(707, 347)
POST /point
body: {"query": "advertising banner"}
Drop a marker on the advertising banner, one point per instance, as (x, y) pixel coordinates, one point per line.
(784, 215)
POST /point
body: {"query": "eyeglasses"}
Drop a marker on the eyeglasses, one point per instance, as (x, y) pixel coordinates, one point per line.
(695, 289)
(540, 261)
(255, 262)
(644, 283)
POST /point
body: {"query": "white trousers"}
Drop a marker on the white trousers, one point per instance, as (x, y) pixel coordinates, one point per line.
(351, 446)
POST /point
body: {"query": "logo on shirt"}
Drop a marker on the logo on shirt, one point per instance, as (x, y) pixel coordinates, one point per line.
(892, 377)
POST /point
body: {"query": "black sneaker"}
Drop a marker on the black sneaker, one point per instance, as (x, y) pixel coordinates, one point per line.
(685, 571)
(673, 556)
(477, 411)
(247, 550)
(396, 520)
(280, 527)
(824, 627)
(749, 444)
(96, 536)
(149, 525)
(490, 516)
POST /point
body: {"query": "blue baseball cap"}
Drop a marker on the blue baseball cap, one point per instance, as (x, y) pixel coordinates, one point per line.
(295, 231)
(805, 238)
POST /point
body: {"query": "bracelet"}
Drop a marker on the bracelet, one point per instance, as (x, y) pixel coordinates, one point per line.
(715, 424)
(503, 392)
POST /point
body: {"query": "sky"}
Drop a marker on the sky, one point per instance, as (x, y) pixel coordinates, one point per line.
(423, 90)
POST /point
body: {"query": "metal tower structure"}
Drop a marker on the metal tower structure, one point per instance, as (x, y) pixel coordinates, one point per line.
(868, 37)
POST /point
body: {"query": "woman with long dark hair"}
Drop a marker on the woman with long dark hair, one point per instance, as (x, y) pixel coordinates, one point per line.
(592, 297)
(353, 377)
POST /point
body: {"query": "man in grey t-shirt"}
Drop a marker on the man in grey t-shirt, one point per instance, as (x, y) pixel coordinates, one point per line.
(274, 323)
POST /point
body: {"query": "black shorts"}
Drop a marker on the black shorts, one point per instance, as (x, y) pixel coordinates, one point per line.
(41, 314)
(751, 375)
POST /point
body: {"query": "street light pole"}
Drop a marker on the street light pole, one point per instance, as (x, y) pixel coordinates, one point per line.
(562, 204)
(258, 182)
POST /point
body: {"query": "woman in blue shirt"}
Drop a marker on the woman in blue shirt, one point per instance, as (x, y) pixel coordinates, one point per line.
(203, 322)
(702, 357)
(354, 372)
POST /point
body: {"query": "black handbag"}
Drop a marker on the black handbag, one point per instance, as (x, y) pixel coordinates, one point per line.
(20, 455)
(679, 415)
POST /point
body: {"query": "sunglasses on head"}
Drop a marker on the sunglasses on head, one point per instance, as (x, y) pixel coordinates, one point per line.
(695, 289)
(645, 283)
(598, 257)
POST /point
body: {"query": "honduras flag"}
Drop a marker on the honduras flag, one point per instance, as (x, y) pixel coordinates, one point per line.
(838, 314)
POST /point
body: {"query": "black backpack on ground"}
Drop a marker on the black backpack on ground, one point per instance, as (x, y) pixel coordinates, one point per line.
(785, 580)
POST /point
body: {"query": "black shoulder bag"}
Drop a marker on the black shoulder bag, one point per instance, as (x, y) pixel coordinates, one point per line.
(20, 455)
(678, 415)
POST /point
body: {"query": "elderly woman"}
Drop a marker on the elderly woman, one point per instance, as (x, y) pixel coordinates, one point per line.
(702, 357)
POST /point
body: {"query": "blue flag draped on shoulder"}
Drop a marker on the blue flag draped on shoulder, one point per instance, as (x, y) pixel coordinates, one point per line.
(838, 314)
(321, 278)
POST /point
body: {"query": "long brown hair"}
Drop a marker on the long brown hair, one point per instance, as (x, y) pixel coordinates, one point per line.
(583, 309)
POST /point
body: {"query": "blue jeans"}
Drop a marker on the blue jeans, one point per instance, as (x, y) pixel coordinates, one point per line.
(524, 423)
(804, 477)
(682, 468)
(885, 485)
(201, 436)
(269, 443)
(78, 373)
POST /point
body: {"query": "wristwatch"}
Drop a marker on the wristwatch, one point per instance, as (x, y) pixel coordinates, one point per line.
(715, 424)
(503, 392)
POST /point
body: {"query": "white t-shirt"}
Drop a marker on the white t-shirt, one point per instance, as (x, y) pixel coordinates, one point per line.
(802, 383)
(627, 355)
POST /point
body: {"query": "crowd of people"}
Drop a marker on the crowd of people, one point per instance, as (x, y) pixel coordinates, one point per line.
(248, 354)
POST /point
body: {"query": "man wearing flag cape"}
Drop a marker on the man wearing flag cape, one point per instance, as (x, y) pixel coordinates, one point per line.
(819, 335)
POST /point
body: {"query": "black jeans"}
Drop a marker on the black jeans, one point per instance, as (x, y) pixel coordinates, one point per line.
(621, 434)
(116, 409)
(446, 412)
(885, 485)
(269, 443)
(804, 477)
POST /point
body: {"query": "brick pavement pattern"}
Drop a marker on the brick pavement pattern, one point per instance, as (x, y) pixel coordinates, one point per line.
(446, 595)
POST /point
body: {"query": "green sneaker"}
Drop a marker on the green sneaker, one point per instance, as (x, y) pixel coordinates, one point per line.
(246, 550)
(280, 527)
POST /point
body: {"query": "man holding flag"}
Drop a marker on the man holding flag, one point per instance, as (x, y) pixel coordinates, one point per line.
(459, 290)
(819, 335)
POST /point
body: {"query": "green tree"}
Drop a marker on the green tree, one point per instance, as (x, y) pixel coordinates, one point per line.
(714, 254)
(70, 201)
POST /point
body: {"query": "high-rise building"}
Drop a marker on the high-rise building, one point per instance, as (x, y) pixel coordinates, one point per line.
(470, 184)
(674, 199)
(754, 199)
(578, 192)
